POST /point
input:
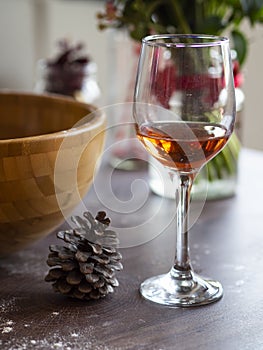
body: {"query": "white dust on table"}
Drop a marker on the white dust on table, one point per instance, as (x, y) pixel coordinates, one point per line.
(7, 305)
(6, 327)
(76, 340)
(239, 278)
(55, 313)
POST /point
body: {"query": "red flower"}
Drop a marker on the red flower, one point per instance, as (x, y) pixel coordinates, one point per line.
(167, 82)
(238, 76)
(164, 85)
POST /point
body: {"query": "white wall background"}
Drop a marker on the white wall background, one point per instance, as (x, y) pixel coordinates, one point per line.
(253, 89)
(29, 30)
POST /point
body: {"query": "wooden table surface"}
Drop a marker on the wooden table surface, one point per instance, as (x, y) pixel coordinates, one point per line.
(226, 244)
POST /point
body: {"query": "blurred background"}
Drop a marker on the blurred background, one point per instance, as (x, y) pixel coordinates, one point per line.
(29, 30)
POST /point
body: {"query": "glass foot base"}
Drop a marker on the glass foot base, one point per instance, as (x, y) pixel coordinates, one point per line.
(181, 289)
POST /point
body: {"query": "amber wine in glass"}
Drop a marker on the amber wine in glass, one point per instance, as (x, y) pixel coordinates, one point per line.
(184, 110)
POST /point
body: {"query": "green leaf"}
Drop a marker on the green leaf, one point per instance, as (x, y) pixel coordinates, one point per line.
(139, 32)
(240, 45)
(211, 25)
(142, 17)
(253, 9)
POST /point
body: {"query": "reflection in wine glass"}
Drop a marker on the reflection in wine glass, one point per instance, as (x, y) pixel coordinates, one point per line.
(183, 122)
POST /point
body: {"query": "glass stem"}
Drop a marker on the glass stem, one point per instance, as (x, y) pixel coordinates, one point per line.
(182, 260)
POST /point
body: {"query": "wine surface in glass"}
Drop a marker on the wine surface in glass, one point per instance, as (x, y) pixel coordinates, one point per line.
(185, 146)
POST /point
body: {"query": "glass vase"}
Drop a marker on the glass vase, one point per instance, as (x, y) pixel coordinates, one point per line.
(218, 179)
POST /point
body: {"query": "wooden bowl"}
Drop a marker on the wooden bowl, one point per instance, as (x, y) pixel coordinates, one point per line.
(36, 190)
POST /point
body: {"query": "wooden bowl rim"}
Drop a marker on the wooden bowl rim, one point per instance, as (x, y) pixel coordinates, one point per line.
(97, 119)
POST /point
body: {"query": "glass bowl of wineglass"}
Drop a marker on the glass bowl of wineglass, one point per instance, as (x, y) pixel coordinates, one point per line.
(184, 111)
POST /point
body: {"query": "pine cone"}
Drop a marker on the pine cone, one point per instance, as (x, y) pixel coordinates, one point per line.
(85, 268)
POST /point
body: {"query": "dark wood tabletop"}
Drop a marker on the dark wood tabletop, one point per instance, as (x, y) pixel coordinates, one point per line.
(226, 244)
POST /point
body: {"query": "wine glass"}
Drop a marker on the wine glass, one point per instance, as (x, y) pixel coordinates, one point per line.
(184, 111)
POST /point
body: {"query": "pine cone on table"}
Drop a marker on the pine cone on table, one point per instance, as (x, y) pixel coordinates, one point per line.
(85, 267)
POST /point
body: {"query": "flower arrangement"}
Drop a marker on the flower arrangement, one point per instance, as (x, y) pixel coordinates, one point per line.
(217, 17)
(144, 17)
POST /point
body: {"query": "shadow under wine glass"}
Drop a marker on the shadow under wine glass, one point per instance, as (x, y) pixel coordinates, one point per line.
(194, 70)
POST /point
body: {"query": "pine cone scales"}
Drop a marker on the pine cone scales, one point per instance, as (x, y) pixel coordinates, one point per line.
(85, 268)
